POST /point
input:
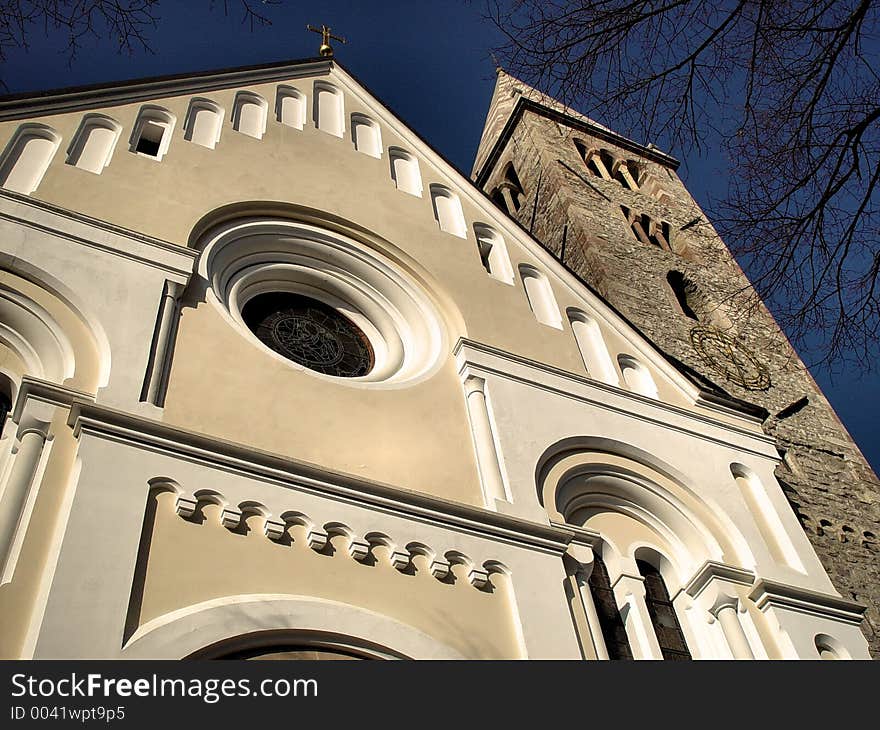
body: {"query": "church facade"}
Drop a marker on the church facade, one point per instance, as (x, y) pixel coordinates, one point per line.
(281, 382)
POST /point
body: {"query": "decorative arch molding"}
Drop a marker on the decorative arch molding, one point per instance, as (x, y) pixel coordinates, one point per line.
(94, 142)
(193, 629)
(340, 267)
(27, 157)
(584, 474)
(51, 330)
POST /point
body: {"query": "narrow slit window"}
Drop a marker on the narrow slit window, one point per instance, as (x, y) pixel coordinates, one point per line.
(663, 616)
(610, 620)
(152, 132)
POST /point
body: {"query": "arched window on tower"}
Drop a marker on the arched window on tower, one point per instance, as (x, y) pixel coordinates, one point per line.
(684, 289)
(94, 142)
(610, 621)
(27, 157)
(249, 113)
(647, 230)
(509, 193)
(203, 123)
(662, 613)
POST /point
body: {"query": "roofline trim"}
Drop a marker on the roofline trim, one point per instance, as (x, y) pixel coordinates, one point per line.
(523, 104)
(78, 98)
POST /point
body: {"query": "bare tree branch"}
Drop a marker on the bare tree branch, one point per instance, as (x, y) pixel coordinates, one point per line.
(127, 24)
(791, 87)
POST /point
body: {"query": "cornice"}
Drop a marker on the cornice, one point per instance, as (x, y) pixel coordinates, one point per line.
(714, 570)
(47, 392)
(595, 130)
(60, 101)
(144, 433)
(549, 371)
(772, 594)
(24, 210)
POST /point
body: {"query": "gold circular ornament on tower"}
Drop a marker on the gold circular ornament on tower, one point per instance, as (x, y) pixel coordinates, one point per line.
(730, 358)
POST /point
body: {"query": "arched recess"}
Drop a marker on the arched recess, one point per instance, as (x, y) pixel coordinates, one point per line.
(583, 477)
(329, 109)
(366, 135)
(290, 107)
(44, 337)
(224, 621)
(405, 171)
(447, 210)
(27, 157)
(94, 142)
(249, 112)
(204, 122)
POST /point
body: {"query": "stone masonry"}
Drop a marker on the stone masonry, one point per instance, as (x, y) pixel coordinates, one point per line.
(580, 187)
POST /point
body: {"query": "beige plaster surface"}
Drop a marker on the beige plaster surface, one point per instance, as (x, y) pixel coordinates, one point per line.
(187, 563)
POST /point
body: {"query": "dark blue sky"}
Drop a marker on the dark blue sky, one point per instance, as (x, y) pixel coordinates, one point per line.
(429, 61)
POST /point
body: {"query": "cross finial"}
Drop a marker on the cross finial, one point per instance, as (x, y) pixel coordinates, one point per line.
(326, 49)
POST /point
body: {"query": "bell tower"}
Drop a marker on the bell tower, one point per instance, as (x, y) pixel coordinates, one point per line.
(616, 213)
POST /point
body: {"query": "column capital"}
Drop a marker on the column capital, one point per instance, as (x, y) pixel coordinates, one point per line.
(716, 586)
(583, 557)
(474, 384)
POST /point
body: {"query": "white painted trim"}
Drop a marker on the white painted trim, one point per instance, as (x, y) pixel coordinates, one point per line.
(181, 633)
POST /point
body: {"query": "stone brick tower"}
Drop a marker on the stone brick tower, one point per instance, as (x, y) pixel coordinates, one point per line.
(616, 213)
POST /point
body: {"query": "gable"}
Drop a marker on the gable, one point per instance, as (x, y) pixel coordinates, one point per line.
(307, 141)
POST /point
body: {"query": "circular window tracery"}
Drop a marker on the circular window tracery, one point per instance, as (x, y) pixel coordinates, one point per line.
(328, 303)
(310, 333)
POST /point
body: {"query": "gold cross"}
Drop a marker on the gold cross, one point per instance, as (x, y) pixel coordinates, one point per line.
(326, 49)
